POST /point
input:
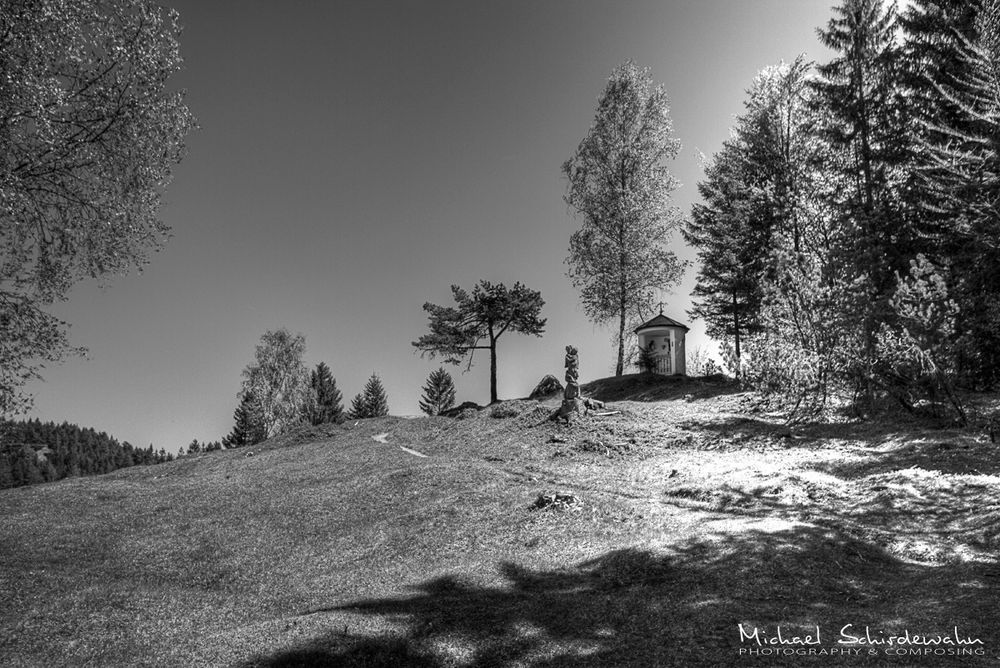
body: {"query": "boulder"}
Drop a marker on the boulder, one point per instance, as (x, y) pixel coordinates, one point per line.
(546, 387)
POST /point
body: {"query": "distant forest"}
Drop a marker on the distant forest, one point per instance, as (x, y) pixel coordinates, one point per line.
(33, 452)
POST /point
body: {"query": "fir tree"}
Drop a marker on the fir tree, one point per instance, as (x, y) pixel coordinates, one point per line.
(439, 393)
(372, 402)
(647, 358)
(326, 402)
(247, 429)
(956, 48)
(865, 120)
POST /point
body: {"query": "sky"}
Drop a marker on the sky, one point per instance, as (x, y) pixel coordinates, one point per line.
(355, 159)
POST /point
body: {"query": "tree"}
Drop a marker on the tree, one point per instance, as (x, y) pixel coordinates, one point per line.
(757, 192)
(647, 361)
(478, 320)
(956, 47)
(326, 398)
(617, 182)
(278, 381)
(439, 393)
(372, 402)
(90, 133)
(247, 425)
(865, 120)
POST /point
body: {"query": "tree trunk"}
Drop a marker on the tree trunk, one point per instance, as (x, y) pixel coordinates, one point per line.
(620, 367)
(493, 370)
(736, 336)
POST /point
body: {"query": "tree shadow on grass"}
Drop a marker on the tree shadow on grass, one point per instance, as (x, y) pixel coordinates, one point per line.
(951, 452)
(680, 607)
(654, 387)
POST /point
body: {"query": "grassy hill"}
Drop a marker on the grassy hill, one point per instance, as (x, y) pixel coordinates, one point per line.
(418, 542)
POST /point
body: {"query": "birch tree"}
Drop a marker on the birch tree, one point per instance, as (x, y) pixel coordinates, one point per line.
(89, 134)
(620, 188)
(278, 381)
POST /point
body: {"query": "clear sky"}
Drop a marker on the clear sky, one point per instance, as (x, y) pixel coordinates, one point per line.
(355, 159)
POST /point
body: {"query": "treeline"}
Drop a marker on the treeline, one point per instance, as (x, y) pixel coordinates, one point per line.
(848, 235)
(33, 452)
(280, 392)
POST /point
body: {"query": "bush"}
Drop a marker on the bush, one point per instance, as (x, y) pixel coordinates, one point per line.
(507, 409)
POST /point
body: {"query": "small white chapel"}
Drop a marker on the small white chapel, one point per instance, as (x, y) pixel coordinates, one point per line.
(666, 335)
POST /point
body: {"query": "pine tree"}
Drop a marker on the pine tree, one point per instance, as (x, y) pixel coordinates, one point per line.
(247, 428)
(439, 393)
(372, 402)
(865, 119)
(646, 360)
(326, 403)
(956, 48)
(755, 191)
(478, 320)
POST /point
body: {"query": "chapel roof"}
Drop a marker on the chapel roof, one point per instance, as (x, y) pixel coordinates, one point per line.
(661, 321)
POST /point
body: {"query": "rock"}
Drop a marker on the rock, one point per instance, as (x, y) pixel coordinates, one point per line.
(546, 387)
(557, 500)
(465, 410)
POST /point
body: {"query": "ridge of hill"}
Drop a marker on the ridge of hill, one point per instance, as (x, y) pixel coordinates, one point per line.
(435, 541)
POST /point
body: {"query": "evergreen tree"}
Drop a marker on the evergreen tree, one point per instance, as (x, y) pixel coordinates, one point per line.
(866, 120)
(755, 192)
(646, 360)
(247, 429)
(479, 320)
(439, 393)
(32, 452)
(326, 401)
(372, 402)
(955, 49)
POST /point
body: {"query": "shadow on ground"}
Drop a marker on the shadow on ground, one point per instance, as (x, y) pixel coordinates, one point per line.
(653, 387)
(949, 452)
(682, 608)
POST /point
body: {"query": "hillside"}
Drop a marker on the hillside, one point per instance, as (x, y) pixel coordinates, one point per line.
(34, 452)
(418, 542)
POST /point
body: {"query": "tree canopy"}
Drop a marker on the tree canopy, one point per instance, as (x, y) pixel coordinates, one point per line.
(371, 402)
(325, 402)
(478, 320)
(89, 134)
(439, 393)
(278, 382)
